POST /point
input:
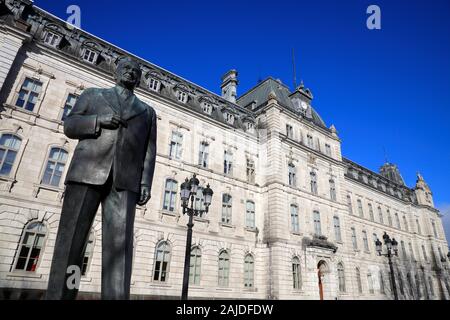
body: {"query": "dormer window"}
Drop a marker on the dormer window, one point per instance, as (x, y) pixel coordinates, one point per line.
(90, 55)
(207, 107)
(154, 84)
(229, 118)
(52, 39)
(182, 96)
(250, 126)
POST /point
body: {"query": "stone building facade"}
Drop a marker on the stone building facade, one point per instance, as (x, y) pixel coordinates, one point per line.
(288, 209)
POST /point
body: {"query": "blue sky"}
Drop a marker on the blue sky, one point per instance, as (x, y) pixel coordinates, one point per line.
(382, 89)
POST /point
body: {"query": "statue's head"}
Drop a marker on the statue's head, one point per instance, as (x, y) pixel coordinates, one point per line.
(128, 73)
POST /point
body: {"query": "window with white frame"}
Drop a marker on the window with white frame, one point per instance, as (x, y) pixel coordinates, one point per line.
(199, 199)
(229, 118)
(296, 274)
(365, 241)
(249, 271)
(295, 225)
(31, 247)
(313, 181)
(54, 168)
(68, 106)
(203, 154)
(250, 126)
(370, 283)
(9, 147)
(88, 252)
(224, 268)
(90, 55)
(228, 162)
(182, 96)
(358, 280)
(354, 241)
(250, 169)
(332, 190)
(250, 215)
(372, 218)
(207, 107)
(226, 208)
(328, 149)
(52, 39)
(289, 131)
(154, 84)
(360, 208)
(292, 174)
(317, 224)
(195, 265)
(337, 229)
(162, 260)
(341, 277)
(176, 144)
(349, 203)
(170, 195)
(29, 93)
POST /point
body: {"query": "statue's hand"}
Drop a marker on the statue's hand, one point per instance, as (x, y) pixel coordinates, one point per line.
(144, 196)
(109, 121)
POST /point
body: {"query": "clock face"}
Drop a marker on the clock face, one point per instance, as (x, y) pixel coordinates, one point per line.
(304, 105)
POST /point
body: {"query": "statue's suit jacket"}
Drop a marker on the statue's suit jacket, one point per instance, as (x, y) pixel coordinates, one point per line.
(130, 150)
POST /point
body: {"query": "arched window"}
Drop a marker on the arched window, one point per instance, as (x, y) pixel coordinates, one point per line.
(370, 283)
(162, 260)
(295, 226)
(332, 190)
(250, 215)
(195, 265)
(54, 168)
(87, 257)
(382, 290)
(358, 280)
(296, 275)
(226, 208)
(341, 277)
(292, 175)
(313, 178)
(9, 146)
(224, 268)
(249, 271)
(317, 224)
(31, 246)
(170, 195)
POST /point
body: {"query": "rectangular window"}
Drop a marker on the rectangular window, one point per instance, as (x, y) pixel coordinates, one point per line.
(380, 215)
(411, 250)
(289, 131)
(332, 190)
(360, 208)
(176, 145)
(250, 215)
(337, 229)
(317, 226)
(55, 167)
(349, 203)
(354, 242)
(28, 94)
(182, 96)
(310, 141)
(365, 241)
(433, 225)
(291, 175)
(228, 163)
(250, 170)
(203, 154)
(328, 150)
(68, 106)
(90, 56)
(371, 212)
(294, 219)
(154, 84)
(52, 39)
(226, 208)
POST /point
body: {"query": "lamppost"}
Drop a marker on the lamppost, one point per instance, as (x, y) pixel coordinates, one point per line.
(188, 192)
(392, 249)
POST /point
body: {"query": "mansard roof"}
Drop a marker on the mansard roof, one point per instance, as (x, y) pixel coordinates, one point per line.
(258, 96)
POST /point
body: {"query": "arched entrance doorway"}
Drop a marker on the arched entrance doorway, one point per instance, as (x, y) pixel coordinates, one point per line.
(322, 269)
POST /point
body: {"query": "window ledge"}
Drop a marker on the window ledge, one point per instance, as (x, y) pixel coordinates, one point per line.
(199, 219)
(37, 187)
(250, 290)
(160, 285)
(224, 289)
(252, 229)
(24, 274)
(168, 213)
(227, 225)
(85, 279)
(7, 178)
(296, 233)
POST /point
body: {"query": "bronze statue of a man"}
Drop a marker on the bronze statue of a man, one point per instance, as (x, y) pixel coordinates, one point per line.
(113, 164)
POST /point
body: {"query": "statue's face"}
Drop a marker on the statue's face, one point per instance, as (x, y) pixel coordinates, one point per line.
(128, 74)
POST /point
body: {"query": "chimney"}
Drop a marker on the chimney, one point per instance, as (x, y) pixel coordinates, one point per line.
(229, 85)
